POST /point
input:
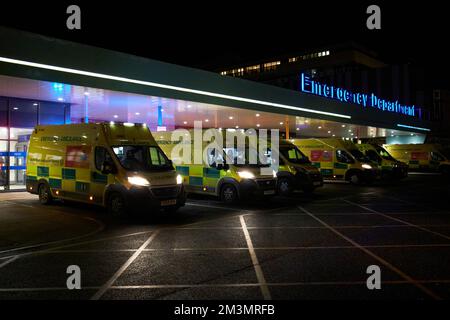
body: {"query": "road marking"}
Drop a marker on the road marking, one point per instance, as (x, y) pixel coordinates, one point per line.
(313, 227)
(119, 272)
(259, 273)
(399, 220)
(8, 262)
(215, 207)
(227, 285)
(376, 257)
(17, 204)
(386, 246)
(101, 226)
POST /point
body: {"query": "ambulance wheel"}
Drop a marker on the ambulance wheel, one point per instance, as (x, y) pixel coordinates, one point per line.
(45, 196)
(354, 178)
(228, 194)
(285, 187)
(116, 205)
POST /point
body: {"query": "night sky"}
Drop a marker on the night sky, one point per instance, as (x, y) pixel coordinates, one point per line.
(214, 33)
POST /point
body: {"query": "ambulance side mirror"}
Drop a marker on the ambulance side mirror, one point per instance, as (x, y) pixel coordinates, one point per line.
(108, 167)
(221, 166)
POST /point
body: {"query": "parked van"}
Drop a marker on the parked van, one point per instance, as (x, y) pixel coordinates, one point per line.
(339, 159)
(295, 171)
(222, 176)
(119, 166)
(426, 157)
(390, 167)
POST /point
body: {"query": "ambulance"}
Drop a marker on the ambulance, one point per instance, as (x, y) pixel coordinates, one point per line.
(295, 171)
(339, 159)
(119, 166)
(390, 167)
(425, 157)
(227, 174)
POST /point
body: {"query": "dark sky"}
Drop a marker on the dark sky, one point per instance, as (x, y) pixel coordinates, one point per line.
(197, 33)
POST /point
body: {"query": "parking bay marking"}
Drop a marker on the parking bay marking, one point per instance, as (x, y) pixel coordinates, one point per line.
(398, 220)
(375, 256)
(259, 274)
(122, 269)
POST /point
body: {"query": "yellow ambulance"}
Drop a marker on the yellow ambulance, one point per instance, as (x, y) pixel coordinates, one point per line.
(390, 167)
(226, 174)
(339, 159)
(295, 171)
(420, 156)
(119, 166)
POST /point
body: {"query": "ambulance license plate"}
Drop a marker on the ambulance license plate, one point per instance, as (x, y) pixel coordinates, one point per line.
(316, 183)
(170, 202)
(267, 192)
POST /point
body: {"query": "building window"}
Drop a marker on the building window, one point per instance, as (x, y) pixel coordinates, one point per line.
(271, 66)
(253, 69)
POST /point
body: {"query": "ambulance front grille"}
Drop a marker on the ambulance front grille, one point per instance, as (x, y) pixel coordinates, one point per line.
(266, 184)
(166, 192)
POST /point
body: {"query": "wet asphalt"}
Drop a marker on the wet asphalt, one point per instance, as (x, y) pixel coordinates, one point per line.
(303, 247)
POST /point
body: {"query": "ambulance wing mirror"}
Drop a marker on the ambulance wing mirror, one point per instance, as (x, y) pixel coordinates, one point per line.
(108, 167)
(221, 166)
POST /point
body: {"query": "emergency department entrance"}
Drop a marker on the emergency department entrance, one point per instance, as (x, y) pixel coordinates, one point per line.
(48, 81)
(18, 117)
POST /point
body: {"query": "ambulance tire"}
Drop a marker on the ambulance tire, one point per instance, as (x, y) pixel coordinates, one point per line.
(228, 193)
(116, 205)
(285, 187)
(45, 196)
(354, 177)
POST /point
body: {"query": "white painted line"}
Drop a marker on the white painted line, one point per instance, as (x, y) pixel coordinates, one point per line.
(376, 257)
(400, 220)
(101, 226)
(17, 204)
(43, 289)
(228, 285)
(58, 248)
(259, 273)
(119, 272)
(413, 173)
(175, 286)
(4, 264)
(383, 246)
(216, 207)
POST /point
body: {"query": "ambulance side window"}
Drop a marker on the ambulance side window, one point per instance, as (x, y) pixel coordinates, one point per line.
(435, 156)
(101, 155)
(214, 158)
(373, 156)
(343, 156)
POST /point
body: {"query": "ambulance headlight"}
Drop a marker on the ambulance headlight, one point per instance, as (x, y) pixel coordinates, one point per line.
(274, 173)
(366, 166)
(138, 181)
(246, 175)
(179, 179)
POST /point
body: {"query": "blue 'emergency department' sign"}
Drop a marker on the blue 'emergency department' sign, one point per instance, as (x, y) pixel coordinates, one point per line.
(366, 100)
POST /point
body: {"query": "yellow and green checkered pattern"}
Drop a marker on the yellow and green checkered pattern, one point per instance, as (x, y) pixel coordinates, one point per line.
(70, 180)
(198, 177)
(329, 169)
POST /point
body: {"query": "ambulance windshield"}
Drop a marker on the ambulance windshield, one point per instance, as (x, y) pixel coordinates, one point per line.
(142, 158)
(245, 157)
(293, 154)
